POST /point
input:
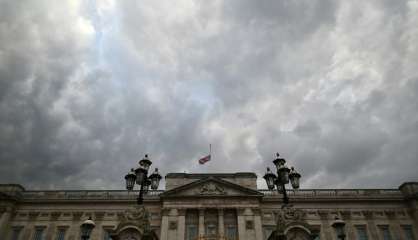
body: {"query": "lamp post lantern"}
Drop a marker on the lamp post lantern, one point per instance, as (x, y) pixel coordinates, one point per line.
(284, 174)
(87, 228)
(339, 226)
(140, 177)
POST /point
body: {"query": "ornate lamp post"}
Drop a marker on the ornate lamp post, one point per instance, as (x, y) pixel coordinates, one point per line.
(282, 178)
(339, 226)
(140, 177)
(87, 228)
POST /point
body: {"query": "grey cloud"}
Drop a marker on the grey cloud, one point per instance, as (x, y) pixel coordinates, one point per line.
(330, 85)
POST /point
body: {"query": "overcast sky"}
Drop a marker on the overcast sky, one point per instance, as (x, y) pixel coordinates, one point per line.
(88, 87)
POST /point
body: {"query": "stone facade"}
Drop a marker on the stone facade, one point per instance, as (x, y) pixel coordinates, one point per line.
(209, 206)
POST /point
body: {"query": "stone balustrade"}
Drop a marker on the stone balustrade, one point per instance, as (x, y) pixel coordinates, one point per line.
(128, 195)
(314, 193)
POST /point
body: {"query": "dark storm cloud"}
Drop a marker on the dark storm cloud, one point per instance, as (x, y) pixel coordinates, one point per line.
(85, 90)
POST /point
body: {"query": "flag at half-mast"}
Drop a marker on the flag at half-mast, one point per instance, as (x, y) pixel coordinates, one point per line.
(205, 159)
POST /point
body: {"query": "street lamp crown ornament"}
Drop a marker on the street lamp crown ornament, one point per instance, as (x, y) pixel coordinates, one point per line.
(145, 163)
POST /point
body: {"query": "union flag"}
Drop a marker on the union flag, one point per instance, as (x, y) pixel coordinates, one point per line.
(205, 159)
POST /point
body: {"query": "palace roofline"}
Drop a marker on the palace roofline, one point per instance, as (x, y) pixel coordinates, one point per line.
(206, 175)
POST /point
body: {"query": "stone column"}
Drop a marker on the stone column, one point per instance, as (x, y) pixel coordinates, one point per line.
(371, 224)
(394, 224)
(52, 226)
(241, 224)
(257, 224)
(164, 224)
(181, 227)
(349, 227)
(6, 214)
(98, 220)
(29, 227)
(221, 225)
(201, 222)
(326, 229)
(74, 230)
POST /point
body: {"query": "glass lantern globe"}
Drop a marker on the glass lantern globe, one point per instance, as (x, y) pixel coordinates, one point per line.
(270, 179)
(130, 180)
(141, 175)
(155, 179)
(294, 178)
(87, 228)
(283, 174)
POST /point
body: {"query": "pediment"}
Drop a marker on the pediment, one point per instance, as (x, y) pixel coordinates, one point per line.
(211, 187)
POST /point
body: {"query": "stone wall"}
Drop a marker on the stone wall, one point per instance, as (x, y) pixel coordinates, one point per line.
(373, 209)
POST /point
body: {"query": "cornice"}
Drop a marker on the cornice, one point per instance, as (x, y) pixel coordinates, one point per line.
(123, 196)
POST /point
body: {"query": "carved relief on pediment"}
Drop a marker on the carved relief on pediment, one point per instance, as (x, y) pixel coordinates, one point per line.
(211, 188)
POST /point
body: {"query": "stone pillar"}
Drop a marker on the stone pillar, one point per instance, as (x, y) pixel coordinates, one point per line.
(201, 222)
(74, 230)
(257, 224)
(29, 227)
(394, 224)
(241, 224)
(326, 229)
(6, 213)
(164, 224)
(98, 220)
(181, 228)
(349, 227)
(371, 224)
(50, 231)
(221, 225)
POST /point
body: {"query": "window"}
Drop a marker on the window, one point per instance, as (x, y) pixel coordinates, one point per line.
(409, 234)
(249, 224)
(191, 232)
(384, 230)
(39, 233)
(192, 222)
(211, 229)
(361, 233)
(231, 233)
(106, 235)
(16, 233)
(60, 234)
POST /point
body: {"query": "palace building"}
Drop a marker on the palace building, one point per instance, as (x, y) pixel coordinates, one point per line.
(208, 206)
